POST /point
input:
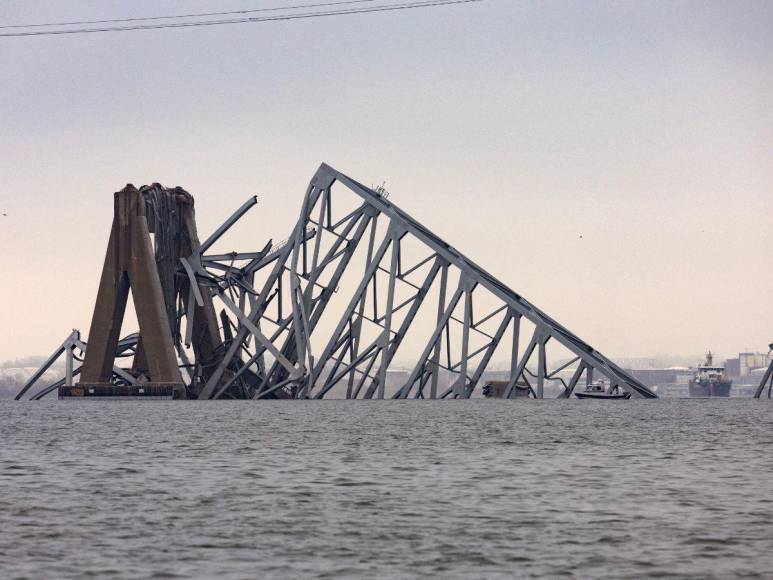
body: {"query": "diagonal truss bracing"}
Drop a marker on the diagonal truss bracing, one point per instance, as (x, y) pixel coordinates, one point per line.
(296, 333)
(360, 301)
(766, 384)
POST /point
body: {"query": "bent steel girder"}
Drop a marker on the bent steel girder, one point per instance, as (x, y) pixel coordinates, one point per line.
(767, 381)
(297, 265)
(307, 318)
(274, 328)
(126, 347)
(549, 329)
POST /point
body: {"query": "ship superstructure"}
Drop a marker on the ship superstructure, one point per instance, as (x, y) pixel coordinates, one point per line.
(709, 380)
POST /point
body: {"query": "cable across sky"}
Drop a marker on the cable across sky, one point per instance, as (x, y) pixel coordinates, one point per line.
(192, 15)
(287, 15)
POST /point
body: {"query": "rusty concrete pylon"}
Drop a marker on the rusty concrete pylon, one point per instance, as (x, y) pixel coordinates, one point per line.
(130, 263)
(171, 219)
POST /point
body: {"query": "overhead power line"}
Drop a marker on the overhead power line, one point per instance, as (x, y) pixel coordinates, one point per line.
(178, 16)
(253, 19)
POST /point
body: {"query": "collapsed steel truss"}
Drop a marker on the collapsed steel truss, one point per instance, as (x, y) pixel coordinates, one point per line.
(766, 384)
(127, 347)
(306, 318)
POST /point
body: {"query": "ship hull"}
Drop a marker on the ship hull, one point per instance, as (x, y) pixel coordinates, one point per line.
(713, 389)
(602, 395)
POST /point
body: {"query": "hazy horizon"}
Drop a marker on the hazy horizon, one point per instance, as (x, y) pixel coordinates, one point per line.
(609, 161)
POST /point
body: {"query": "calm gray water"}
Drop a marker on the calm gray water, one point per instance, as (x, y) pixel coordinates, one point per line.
(385, 489)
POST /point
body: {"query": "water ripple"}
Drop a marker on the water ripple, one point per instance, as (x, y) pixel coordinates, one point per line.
(398, 489)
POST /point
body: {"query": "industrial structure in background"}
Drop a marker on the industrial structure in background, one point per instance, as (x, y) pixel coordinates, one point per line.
(747, 364)
(324, 313)
(745, 372)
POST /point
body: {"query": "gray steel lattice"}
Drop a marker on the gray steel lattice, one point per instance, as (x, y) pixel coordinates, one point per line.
(301, 263)
(276, 305)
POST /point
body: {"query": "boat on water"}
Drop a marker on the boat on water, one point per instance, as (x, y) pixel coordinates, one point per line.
(709, 380)
(597, 390)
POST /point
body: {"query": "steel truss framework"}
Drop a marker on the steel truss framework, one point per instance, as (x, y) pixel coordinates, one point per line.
(766, 384)
(325, 313)
(73, 349)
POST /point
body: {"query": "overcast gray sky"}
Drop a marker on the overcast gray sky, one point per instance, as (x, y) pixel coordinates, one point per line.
(509, 128)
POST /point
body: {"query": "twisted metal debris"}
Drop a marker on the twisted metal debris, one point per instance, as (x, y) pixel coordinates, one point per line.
(356, 290)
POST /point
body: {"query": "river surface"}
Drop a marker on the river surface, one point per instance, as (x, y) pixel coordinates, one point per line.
(386, 489)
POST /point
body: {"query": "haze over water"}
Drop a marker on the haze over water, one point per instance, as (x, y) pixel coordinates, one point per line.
(347, 489)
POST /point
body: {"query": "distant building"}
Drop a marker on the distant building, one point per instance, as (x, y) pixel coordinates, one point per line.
(660, 377)
(683, 377)
(652, 377)
(745, 363)
(752, 360)
(396, 379)
(733, 367)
